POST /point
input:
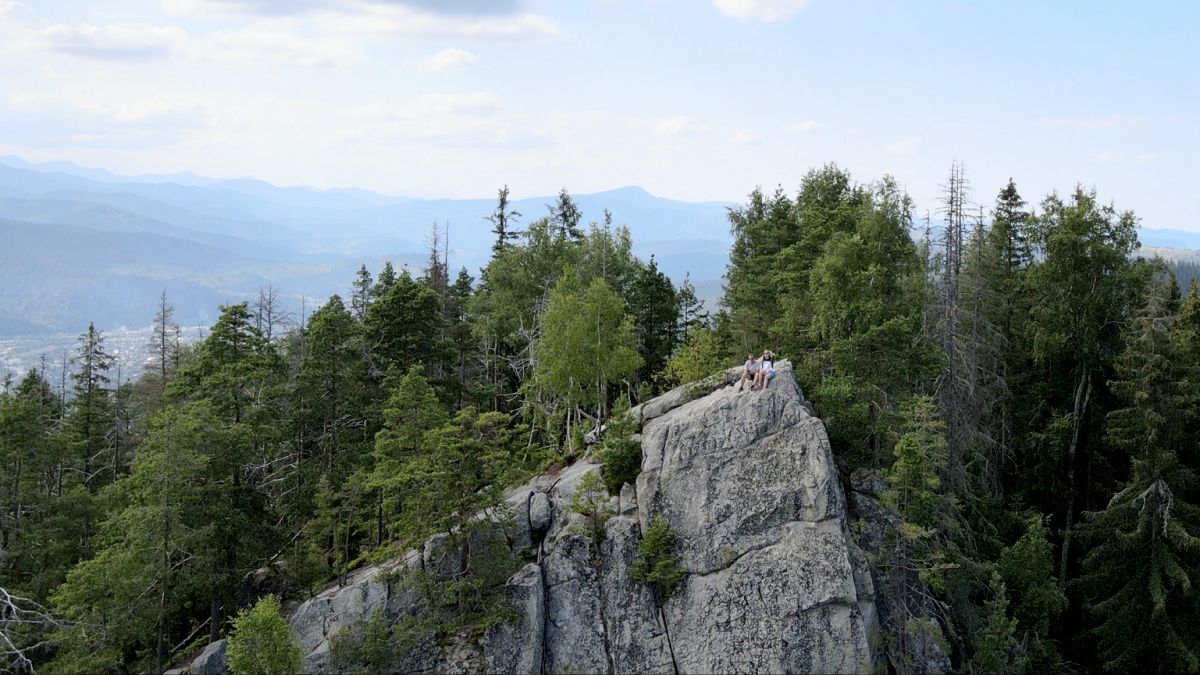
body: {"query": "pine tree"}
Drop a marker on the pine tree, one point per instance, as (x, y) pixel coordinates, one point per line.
(654, 306)
(565, 214)
(502, 220)
(403, 325)
(690, 309)
(164, 339)
(91, 415)
(361, 296)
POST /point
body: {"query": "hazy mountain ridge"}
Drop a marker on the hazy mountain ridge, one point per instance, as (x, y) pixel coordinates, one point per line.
(84, 244)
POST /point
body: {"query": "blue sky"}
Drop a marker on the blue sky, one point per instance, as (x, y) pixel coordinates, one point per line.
(691, 99)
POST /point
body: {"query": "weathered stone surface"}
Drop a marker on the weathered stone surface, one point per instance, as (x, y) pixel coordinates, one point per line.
(747, 482)
(628, 502)
(517, 647)
(211, 661)
(636, 638)
(868, 482)
(443, 560)
(540, 513)
(574, 632)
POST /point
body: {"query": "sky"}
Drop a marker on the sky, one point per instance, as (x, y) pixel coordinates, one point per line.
(691, 99)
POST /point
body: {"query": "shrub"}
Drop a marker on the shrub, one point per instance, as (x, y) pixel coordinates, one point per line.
(658, 566)
(621, 455)
(261, 643)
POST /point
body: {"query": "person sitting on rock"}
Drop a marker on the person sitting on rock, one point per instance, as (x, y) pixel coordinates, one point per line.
(749, 372)
(766, 371)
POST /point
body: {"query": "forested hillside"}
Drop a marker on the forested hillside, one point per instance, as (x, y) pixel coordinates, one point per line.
(1028, 387)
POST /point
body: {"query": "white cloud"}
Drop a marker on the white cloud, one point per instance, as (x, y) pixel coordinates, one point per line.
(760, 10)
(466, 119)
(1106, 157)
(276, 42)
(1093, 121)
(904, 146)
(153, 112)
(803, 127)
(114, 42)
(449, 59)
(1144, 159)
(745, 137)
(387, 19)
(679, 125)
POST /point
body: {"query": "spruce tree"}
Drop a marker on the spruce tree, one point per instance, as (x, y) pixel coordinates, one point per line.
(502, 220)
(1141, 570)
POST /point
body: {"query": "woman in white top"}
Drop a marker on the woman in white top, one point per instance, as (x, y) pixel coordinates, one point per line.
(766, 371)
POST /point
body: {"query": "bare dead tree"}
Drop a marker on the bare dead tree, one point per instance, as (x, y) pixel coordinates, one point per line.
(270, 317)
(25, 630)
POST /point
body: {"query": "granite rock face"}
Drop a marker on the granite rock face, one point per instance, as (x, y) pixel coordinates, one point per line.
(747, 482)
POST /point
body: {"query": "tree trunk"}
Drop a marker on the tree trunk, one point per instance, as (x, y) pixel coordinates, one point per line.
(1083, 393)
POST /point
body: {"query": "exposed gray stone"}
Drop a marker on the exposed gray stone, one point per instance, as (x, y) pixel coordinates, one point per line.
(517, 647)
(211, 661)
(747, 482)
(628, 502)
(868, 482)
(540, 513)
(637, 640)
(443, 557)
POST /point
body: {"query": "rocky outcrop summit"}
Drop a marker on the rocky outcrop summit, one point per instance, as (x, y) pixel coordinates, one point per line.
(747, 482)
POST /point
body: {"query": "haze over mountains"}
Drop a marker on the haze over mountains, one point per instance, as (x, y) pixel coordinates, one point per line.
(83, 244)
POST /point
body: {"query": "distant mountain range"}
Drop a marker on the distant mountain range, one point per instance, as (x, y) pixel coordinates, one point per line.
(82, 244)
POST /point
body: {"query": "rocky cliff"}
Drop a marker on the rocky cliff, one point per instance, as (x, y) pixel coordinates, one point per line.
(747, 482)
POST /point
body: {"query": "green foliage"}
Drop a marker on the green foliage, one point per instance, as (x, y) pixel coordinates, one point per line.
(657, 565)
(1027, 569)
(620, 454)
(997, 649)
(587, 342)
(591, 501)
(698, 357)
(261, 641)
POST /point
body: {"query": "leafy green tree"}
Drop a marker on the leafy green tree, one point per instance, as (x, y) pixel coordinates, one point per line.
(238, 375)
(1027, 569)
(1080, 291)
(149, 553)
(361, 297)
(620, 453)
(331, 399)
(261, 642)
(412, 411)
(91, 415)
(587, 344)
(565, 214)
(698, 357)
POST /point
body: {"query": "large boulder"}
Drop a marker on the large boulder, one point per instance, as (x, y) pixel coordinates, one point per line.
(747, 482)
(211, 661)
